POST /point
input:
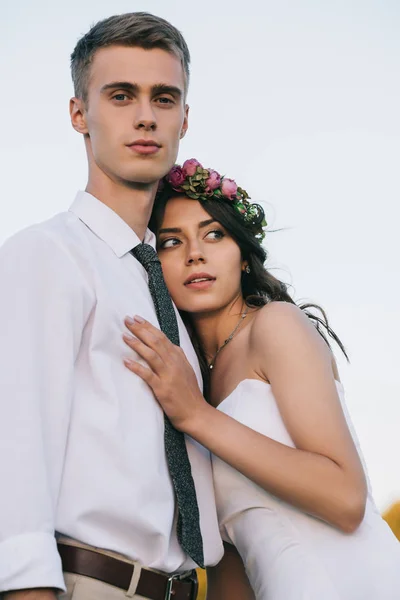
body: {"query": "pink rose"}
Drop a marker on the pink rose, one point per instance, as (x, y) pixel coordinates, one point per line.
(189, 167)
(213, 181)
(176, 177)
(229, 188)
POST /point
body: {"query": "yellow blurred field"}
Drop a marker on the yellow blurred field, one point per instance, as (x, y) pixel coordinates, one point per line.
(392, 518)
(202, 584)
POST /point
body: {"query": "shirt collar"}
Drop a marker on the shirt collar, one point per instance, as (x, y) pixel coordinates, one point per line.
(107, 225)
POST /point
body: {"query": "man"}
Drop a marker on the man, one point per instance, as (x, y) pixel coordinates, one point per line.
(83, 461)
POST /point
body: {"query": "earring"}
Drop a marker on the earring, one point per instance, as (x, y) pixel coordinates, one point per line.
(247, 270)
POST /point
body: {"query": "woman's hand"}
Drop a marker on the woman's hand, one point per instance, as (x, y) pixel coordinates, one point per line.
(168, 373)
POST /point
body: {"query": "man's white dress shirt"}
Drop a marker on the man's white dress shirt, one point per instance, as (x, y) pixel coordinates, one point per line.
(81, 437)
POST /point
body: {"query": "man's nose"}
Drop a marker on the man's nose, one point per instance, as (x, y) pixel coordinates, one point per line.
(145, 117)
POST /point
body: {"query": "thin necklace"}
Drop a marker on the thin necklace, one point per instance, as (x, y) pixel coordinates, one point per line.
(228, 339)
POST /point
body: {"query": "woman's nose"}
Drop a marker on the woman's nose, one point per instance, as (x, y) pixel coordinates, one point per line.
(195, 255)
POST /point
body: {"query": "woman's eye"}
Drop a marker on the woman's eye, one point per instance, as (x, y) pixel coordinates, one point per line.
(169, 243)
(215, 234)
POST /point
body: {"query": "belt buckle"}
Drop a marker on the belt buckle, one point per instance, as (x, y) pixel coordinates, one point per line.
(195, 584)
(168, 590)
(193, 580)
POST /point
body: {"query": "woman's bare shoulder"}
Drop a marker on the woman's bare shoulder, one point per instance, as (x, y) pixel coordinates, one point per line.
(281, 318)
(281, 333)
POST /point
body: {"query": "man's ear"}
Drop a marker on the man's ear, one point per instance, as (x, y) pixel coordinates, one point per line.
(185, 124)
(77, 113)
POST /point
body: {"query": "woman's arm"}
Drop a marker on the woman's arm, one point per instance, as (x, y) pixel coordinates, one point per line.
(228, 579)
(323, 475)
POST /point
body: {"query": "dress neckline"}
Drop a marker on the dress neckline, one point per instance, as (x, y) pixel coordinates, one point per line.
(264, 383)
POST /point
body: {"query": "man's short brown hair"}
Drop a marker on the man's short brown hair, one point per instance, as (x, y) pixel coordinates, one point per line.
(139, 29)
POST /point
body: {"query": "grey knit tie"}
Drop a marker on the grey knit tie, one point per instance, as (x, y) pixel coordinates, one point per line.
(188, 526)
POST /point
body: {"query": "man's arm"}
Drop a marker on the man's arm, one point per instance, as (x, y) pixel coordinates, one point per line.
(43, 310)
(228, 579)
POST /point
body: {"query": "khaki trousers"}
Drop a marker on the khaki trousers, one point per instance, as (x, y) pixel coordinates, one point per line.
(80, 587)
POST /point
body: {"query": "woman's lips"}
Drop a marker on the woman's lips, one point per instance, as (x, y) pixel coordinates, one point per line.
(200, 284)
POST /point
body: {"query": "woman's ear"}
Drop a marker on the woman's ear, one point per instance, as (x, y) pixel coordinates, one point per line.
(246, 267)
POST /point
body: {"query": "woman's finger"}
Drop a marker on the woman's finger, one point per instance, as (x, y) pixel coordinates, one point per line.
(150, 335)
(152, 357)
(143, 372)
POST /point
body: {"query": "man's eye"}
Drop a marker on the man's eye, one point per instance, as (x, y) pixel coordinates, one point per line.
(120, 97)
(169, 243)
(165, 100)
(215, 234)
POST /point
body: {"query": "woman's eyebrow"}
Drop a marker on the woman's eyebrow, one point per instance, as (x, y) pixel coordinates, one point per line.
(170, 230)
(179, 230)
(205, 223)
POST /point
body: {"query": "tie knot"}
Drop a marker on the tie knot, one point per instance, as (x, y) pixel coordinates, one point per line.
(145, 254)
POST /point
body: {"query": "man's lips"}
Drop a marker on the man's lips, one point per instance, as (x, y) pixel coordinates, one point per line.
(199, 281)
(145, 146)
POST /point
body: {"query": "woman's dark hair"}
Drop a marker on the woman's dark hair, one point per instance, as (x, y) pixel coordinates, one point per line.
(259, 286)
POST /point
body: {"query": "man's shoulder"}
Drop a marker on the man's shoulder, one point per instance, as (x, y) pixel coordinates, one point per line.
(44, 245)
(48, 254)
(56, 232)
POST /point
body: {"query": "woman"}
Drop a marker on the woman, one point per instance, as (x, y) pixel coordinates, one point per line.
(291, 491)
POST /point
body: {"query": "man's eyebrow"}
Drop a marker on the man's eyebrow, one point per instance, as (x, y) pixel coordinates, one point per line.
(133, 88)
(165, 88)
(120, 85)
(179, 230)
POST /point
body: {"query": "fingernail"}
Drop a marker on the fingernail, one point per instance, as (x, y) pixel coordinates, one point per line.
(129, 363)
(129, 338)
(138, 319)
(129, 320)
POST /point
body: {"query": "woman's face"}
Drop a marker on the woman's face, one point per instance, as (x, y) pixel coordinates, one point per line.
(202, 264)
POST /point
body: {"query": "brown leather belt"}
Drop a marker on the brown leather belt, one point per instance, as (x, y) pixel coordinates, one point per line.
(118, 573)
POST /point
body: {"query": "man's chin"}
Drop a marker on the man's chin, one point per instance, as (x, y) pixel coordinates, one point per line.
(146, 177)
(140, 183)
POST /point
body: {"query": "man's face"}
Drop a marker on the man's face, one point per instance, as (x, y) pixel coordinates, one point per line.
(135, 113)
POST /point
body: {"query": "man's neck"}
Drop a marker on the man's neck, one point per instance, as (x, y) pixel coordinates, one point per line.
(132, 203)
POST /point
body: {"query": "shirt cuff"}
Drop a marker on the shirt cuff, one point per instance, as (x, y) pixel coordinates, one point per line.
(29, 561)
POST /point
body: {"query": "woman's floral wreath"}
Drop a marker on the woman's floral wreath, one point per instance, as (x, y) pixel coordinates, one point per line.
(198, 183)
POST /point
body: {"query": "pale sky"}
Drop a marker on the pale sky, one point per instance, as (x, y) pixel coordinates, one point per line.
(296, 100)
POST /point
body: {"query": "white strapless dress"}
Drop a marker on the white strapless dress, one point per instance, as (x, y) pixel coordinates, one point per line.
(289, 555)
